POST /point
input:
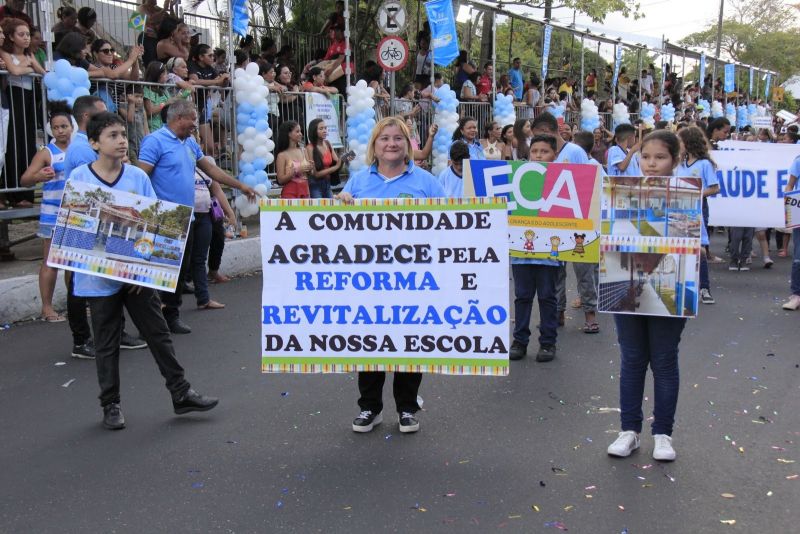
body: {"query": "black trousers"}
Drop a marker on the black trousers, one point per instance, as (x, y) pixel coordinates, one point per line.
(76, 313)
(173, 301)
(144, 307)
(21, 143)
(217, 245)
(405, 389)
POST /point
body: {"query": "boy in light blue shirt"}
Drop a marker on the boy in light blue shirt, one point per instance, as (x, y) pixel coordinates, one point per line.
(622, 156)
(107, 134)
(451, 178)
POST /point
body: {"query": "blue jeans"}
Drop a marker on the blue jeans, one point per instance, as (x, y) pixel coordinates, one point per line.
(796, 262)
(202, 240)
(649, 341)
(320, 188)
(530, 279)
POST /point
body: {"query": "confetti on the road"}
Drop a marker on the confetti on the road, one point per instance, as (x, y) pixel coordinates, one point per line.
(556, 524)
(231, 442)
(622, 508)
(542, 484)
(284, 393)
(728, 521)
(279, 504)
(670, 477)
(68, 383)
(785, 461)
(453, 494)
(535, 508)
(769, 493)
(558, 470)
(347, 508)
(59, 364)
(728, 495)
(792, 477)
(197, 485)
(589, 488)
(387, 437)
(568, 508)
(514, 516)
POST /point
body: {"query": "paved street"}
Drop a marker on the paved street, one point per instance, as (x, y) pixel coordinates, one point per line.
(524, 453)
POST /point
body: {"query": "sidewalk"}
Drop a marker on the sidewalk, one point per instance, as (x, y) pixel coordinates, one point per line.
(19, 279)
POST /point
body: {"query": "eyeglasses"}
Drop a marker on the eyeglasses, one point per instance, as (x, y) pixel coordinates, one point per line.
(106, 50)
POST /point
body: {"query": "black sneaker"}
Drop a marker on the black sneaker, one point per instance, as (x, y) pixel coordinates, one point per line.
(408, 422)
(743, 266)
(187, 289)
(518, 351)
(131, 342)
(366, 421)
(176, 326)
(546, 353)
(84, 352)
(191, 401)
(733, 265)
(112, 417)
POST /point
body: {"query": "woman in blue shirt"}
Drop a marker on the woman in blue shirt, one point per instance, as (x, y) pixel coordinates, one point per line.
(467, 131)
(391, 174)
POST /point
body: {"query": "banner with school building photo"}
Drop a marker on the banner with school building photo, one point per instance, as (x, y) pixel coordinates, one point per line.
(409, 285)
(119, 235)
(650, 247)
(325, 107)
(553, 208)
(752, 180)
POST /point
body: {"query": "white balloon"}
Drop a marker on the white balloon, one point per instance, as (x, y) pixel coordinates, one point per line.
(270, 144)
(261, 190)
(252, 69)
(240, 202)
(361, 83)
(269, 158)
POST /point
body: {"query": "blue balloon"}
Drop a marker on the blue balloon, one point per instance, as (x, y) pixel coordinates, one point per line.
(53, 94)
(240, 127)
(261, 125)
(250, 180)
(259, 163)
(50, 80)
(244, 107)
(261, 109)
(62, 68)
(247, 168)
(64, 86)
(242, 118)
(79, 92)
(79, 76)
(260, 176)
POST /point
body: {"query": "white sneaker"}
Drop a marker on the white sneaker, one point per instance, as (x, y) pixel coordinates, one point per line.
(662, 450)
(792, 304)
(625, 444)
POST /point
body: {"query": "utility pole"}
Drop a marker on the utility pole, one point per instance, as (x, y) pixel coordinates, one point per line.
(719, 27)
(548, 9)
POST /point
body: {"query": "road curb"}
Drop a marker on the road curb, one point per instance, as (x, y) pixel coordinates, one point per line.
(21, 300)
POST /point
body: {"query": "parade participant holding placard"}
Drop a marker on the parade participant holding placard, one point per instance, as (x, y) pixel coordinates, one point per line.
(566, 152)
(794, 301)
(391, 174)
(698, 164)
(650, 340)
(170, 156)
(467, 131)
(536, 278)
(106, 297)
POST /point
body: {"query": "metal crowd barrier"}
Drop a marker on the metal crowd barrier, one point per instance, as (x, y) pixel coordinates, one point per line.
(22, 117)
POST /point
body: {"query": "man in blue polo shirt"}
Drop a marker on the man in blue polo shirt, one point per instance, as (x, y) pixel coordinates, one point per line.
(515, 78)
(169, 155)
(80, 153)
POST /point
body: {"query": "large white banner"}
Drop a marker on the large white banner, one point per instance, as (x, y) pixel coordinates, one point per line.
(752, 179)
(385, 285)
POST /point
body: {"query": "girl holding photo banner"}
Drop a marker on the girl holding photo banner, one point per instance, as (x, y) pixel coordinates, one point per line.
(647, 340)
(391, 174)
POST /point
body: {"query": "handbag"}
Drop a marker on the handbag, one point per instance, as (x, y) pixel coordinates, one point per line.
(217, 213)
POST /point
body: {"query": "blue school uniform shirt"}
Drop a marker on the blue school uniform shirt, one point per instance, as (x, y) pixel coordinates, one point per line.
(475, 149)
(51, 192)
(595, 162)
(130, 180)
(515, 80)
(174, 161)
(79, 152)
(703, 169)
(572, 153)
(794, 170)
(452, 183)
(414, 182)
(617, 155)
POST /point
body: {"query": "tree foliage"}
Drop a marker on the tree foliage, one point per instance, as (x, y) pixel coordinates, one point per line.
(762, 33)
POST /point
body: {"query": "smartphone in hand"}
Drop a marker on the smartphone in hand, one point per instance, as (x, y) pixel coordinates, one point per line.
(349, 156)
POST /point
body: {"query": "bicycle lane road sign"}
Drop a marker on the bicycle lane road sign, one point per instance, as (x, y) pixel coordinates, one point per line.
(392, 53)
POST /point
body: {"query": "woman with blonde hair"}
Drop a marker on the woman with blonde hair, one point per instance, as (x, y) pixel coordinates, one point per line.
(392, 173)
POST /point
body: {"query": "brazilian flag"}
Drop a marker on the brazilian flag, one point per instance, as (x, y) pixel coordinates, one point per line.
(137, 21)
